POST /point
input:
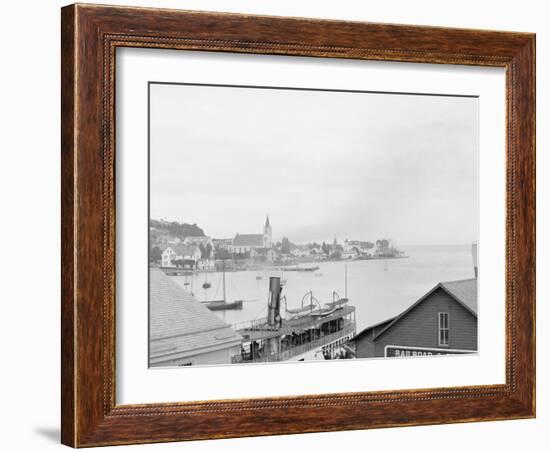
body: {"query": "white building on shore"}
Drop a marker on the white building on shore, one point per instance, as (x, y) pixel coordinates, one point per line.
(356, 247)
(187, 253)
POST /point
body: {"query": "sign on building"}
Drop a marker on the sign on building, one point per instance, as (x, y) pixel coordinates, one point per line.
(400, 351)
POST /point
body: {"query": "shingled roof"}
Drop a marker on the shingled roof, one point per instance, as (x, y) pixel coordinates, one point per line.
(180, 324)
(464, 291)
(183, 250)
(248, 240)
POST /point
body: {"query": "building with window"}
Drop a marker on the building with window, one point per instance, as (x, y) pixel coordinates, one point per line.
(263, 254)
(244, 243)
(358, 247)
(185, 255)
(222, 243)
(184, 332)
(443, 321)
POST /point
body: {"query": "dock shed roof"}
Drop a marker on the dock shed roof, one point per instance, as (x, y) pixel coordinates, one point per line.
(179, 323)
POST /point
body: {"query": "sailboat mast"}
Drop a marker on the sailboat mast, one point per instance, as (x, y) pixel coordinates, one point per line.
(223, 279)
(346, 282)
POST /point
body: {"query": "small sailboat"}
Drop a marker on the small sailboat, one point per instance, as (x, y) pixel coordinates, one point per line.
(222, 305)
(206, 284)
(386, 265)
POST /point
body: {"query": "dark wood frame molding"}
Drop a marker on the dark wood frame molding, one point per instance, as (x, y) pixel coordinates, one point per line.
(90, 35)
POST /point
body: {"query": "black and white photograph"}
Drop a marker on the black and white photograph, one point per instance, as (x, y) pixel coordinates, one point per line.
(290, 224)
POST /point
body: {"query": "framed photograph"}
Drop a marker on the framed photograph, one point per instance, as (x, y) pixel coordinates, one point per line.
(280, 225)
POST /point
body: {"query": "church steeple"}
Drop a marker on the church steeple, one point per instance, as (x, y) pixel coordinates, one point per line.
(267, 233)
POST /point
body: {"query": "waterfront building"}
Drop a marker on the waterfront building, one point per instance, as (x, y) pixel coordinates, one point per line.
(184, 332)
(351, 254)
(301, 251)
(205, 264)
(316, 252)
(265, 254)
(244, 243)
(189, 254)
(358, 247)
(443, 321)
(222, 243)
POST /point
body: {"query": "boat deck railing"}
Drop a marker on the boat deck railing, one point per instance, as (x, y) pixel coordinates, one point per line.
(259, 328)
(249, 324)
(296, 350)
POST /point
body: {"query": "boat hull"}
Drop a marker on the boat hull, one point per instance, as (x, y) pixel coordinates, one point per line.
(223, 306)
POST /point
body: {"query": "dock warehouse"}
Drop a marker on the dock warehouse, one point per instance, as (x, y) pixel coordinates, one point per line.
(443, 321)
(184, 332)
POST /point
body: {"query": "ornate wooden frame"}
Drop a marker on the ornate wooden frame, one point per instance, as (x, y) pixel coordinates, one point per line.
(90, 34)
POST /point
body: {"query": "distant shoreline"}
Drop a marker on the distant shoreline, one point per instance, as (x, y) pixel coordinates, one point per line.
(282, 268)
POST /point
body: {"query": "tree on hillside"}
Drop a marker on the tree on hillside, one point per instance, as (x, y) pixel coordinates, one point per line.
(285, 246)
(155, 254)
(382, 244)
(175, 229)
(222, 253)
(205, 250)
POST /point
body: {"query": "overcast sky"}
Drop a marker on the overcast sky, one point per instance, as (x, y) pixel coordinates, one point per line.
(322, 164)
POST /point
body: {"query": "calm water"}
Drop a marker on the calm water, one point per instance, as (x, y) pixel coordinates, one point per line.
(376, 294)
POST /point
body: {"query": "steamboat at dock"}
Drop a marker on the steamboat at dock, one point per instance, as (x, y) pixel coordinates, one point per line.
(311, 332)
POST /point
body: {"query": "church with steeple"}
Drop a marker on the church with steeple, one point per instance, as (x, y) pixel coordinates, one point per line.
(267, 233)
(244, 243)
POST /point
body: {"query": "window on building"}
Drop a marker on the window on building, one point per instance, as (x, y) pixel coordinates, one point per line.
(443, 328)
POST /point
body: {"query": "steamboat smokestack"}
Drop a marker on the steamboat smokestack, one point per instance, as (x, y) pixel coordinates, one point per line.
(274, 302)
(474, 257)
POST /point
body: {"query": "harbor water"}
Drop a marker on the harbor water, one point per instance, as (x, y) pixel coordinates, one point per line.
(379, 288)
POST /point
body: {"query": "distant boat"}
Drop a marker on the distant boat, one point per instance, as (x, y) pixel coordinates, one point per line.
(386, 266)
(206, 284)
(300, 269)
(222, 305)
